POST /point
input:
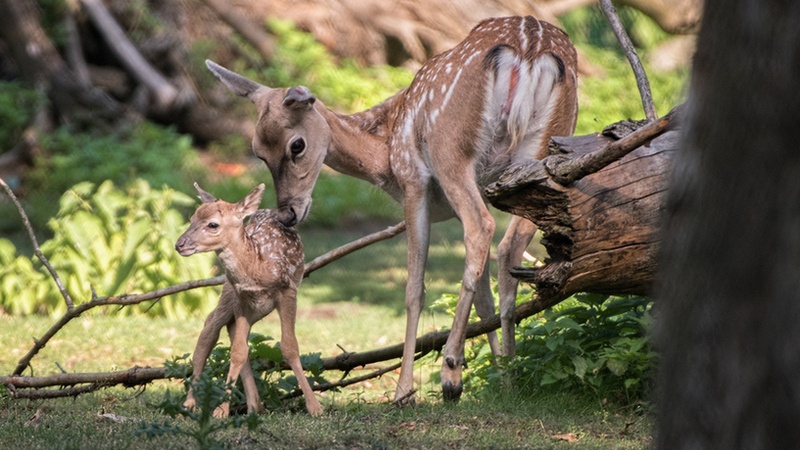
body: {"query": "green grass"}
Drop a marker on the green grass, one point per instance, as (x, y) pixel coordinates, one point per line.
(551, 421)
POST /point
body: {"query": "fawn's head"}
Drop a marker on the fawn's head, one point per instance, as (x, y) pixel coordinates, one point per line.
(216, 223)
(291, 137)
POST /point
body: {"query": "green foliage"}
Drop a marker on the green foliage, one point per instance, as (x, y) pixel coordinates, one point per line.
(200, 424)
(592, 342)
(266, 359)
(18, 106)
(300, 59)
(115, 241)
(146, 151)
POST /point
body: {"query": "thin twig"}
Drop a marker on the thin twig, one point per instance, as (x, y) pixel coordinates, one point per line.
(633, 58)
(36, 250)
(327, 258)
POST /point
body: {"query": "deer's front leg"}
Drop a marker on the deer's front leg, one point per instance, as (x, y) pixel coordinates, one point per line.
(418, 235)
(218, 318)
(287, 309)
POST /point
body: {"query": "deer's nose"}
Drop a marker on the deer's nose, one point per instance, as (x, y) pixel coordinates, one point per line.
(288, 216)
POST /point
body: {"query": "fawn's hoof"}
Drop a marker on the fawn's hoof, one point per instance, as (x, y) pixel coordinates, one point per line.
(314, 410)
(222, 411)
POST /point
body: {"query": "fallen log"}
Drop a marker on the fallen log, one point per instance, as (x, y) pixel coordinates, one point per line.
(598, 201)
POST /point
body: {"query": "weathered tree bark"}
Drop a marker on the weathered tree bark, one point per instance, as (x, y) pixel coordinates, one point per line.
(728, 301)
(601, 231)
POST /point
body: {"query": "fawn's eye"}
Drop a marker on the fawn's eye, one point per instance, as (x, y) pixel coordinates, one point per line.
(213, 225)
(297, 146)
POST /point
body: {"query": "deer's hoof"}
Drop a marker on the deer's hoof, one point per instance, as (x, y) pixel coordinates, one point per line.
(452, 391)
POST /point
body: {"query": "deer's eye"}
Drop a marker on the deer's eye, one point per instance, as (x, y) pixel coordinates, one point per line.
(297, 146)
(213, 225)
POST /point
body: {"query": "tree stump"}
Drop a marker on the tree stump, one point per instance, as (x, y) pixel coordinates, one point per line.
(601, 231)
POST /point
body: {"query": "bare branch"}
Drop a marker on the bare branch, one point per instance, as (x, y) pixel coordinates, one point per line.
(166, 95)
(121, 300)
(36, 250)
(333, 255)
(633, 58)
(565, 170)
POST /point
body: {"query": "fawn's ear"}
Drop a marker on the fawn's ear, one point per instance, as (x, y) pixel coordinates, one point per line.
(249, 204)
(205, 197)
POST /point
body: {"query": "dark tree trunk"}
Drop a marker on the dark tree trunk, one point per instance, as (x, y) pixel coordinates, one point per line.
(728, 304)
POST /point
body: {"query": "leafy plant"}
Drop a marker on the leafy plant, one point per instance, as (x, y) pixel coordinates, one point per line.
(113, 241)
(266, 359)
(200, 424)
(594, 342)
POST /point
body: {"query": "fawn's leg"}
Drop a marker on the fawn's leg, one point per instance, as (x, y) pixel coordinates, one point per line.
(218, 318)
(239, 330)
(287, 310)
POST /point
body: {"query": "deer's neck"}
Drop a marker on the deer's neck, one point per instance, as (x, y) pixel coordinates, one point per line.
(359, 143)
(239, 259)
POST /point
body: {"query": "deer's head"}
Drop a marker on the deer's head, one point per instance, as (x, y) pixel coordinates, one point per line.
(216, 223)
(291, 137)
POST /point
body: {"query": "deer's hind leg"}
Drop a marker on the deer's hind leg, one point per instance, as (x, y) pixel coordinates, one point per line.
(509, 254)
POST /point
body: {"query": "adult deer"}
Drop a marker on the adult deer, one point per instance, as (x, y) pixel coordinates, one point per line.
(492, 101)
(263, 262)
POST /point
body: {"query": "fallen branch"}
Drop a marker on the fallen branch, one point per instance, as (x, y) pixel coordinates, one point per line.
(333, 255)
(117, 300)
(31, 387)
(633, 58)
(36, 250)
(566, 169)
(165, 94)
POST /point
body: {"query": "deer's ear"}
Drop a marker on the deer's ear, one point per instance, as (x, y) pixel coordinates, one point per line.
(249, 204)
(238, 84)
(205, 197)
(299, 97)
